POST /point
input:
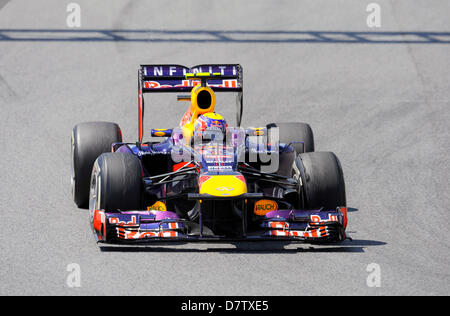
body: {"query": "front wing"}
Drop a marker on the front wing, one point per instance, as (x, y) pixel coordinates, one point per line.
(281, 225)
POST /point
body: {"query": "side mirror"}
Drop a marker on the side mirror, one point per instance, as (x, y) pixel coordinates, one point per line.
(162, 132)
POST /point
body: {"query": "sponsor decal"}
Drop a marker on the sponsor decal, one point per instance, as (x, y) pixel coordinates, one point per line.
(315, 233)
(163, 84)
(181, 71)
(117, 221)
(318, 219)
(142, 235)
(158, 206)
(220, 168)
(218, 158)
(127, 230)
(262, 207)
(224, 189)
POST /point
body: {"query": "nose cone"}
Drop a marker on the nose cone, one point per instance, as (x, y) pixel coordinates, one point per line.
(222, 185)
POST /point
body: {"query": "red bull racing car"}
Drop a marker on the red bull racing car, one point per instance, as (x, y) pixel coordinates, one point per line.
(206, 180)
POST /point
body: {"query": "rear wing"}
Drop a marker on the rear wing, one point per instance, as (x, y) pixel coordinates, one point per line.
(172, 78)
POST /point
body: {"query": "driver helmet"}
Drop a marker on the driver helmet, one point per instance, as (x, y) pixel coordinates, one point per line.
(209, 122)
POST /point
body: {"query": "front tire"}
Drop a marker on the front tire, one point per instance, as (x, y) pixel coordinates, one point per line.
(89, 140)
(116, 183)
(322, 180)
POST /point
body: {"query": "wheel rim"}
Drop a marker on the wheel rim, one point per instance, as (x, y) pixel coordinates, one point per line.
(94, 190)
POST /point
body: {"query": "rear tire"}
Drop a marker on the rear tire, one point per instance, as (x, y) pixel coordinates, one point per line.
(116, 183)
(89, 140)
(322, 179)
(296, 132)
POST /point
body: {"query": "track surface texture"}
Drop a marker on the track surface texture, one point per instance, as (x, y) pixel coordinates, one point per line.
(377, 97)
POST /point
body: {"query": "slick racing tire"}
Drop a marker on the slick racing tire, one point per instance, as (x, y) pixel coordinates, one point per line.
(322, 180)
(89, 140)
(116, 183)
(295, 132)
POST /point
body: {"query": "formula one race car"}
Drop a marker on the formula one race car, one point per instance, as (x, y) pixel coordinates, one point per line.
(205, 180)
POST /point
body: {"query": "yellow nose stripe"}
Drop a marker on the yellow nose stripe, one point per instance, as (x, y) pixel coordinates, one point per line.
(227, 185)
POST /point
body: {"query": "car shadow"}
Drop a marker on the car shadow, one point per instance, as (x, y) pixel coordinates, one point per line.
(272, 247)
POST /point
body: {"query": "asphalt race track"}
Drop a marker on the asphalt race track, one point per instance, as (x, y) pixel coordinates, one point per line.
(377, 97)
